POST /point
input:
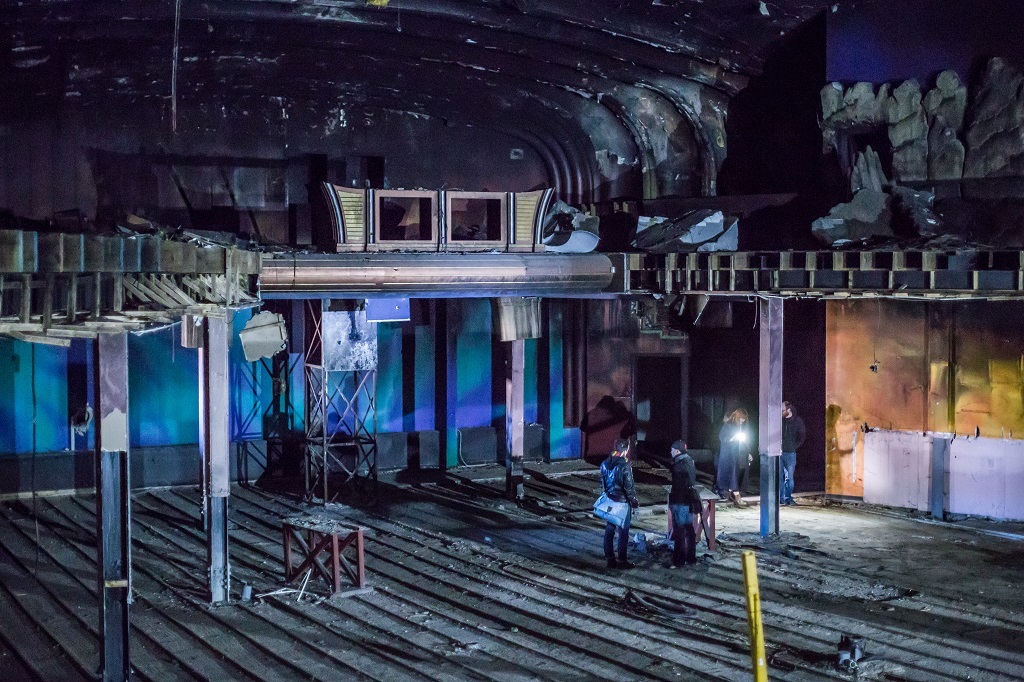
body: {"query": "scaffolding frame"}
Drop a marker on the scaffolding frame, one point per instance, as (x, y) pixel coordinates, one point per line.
(340, 420)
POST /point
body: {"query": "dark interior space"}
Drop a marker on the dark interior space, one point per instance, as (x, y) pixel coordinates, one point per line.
(659, 401)
(336, 335)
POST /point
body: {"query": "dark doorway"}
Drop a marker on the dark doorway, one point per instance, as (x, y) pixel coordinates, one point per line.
(658, 400)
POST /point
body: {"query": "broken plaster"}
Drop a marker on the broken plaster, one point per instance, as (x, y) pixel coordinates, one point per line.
(114, 432)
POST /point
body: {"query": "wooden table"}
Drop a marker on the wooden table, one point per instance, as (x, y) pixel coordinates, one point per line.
(316, 536)
(704, 521)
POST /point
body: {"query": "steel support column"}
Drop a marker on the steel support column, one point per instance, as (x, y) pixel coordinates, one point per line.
(214, 442)
(770, 411)
(515, 399)
(113, 502)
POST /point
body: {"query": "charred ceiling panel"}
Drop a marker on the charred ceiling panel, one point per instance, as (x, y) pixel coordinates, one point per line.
(273, 79)
(672, 163)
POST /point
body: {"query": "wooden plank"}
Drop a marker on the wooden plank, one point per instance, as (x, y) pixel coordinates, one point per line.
(181, 636)
(33, 646)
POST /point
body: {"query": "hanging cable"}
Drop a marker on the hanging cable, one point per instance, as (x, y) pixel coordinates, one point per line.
(174, 68)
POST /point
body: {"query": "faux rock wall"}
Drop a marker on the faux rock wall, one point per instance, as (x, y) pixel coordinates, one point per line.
(942, 133)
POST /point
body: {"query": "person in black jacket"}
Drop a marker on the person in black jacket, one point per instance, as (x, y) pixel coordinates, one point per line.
(684, 476)
(794, 432)
(617, 479)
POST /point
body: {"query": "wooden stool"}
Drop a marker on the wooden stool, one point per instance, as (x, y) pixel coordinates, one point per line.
(705, 520)
(328, 536)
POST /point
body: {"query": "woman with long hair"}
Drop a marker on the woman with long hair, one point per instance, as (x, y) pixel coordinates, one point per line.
(734, 455)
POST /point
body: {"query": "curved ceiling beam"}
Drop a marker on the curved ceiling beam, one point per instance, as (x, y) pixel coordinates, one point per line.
(438, 18)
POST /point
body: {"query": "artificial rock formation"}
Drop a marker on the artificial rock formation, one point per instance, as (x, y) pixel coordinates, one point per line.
(908, 133)
(946, 106)
(868, 172)
(859, 107)
(995, 136)
(945, 152)
(947, 100)
(868, 215)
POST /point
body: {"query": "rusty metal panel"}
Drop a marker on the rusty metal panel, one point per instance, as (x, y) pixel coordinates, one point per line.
(876, 372)
(210, 260)
(60, 252)
(131, 254)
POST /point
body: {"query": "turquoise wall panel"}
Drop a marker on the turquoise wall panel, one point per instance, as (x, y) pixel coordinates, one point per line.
(389, 377)
(33, 397)
(424, 379)
(474, 363)
(163, 389)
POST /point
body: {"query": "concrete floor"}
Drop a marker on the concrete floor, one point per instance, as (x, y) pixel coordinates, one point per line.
(467, 586)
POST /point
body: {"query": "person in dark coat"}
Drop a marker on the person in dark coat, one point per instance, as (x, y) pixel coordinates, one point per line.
(617, 479)
(734, 455)
(684, 476)
(794, 433)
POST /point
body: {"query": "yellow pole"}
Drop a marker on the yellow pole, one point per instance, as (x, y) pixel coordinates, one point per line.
(754, 617)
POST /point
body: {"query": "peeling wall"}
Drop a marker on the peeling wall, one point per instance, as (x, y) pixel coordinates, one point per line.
(615, 340)
(889, 364)
(82, 160)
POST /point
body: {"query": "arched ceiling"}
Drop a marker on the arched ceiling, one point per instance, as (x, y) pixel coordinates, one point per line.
(572, 79)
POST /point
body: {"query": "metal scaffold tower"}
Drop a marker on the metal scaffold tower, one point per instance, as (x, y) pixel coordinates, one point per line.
(266, 425)
(341, 395)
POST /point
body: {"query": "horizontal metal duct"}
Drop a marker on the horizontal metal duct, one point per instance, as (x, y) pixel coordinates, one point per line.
(434, 274)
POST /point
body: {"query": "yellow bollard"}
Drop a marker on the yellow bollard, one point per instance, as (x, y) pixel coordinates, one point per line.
(754, 617)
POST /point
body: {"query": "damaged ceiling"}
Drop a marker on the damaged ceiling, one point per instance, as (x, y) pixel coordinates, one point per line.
(610, 96)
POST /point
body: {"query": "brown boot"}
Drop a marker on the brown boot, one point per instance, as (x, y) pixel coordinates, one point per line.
(736, 499)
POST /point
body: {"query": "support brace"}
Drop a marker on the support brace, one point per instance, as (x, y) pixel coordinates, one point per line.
(215, 446)
(113, 503)
(770, 411)
(515, 419)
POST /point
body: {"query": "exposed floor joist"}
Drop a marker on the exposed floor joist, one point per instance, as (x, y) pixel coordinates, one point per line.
(466, 586)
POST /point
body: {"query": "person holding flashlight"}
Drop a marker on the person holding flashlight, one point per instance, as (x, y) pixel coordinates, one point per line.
(734, 456)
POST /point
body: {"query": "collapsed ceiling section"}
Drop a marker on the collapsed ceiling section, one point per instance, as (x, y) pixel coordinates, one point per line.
(612, 99)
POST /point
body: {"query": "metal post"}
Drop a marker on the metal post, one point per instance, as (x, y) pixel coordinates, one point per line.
(515, 400)
(770, 411)
(214, 443)
(113, 502)
(940, 460)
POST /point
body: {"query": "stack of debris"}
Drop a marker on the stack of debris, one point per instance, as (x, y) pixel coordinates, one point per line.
(701, 230)
(569, 230)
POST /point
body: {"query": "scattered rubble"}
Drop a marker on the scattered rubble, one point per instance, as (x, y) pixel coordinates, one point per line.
(701, 230)
(569, 230)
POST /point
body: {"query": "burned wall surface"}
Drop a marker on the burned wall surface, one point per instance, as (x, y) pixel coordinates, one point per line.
(219, 172)
(916, 366)
(619, 332)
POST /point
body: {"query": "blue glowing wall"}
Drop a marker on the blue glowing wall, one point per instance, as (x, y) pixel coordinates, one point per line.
(406, 397)
(41, 385)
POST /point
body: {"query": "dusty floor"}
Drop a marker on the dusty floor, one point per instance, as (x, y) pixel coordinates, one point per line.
(467, 586)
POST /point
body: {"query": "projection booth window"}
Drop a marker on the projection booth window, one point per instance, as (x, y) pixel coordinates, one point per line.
(406, 219)
(475, 219)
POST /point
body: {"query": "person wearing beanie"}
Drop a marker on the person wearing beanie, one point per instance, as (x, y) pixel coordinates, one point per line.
(684, 477)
